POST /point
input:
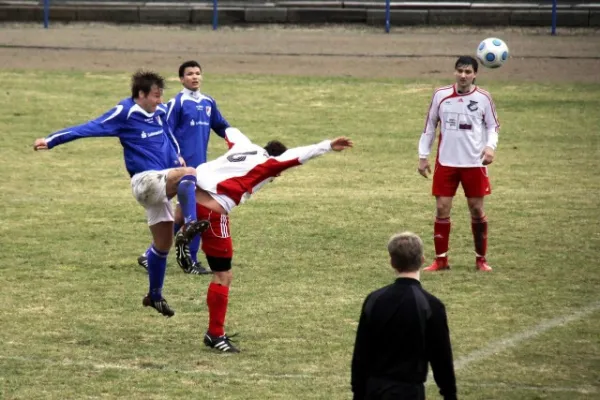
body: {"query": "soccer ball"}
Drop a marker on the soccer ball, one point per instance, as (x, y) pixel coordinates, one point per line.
(492, 53)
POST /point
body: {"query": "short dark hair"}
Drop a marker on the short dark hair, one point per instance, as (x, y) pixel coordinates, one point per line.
(143, 81)
(467, 60)
(275, 148)
(406, 252)
(188, 64)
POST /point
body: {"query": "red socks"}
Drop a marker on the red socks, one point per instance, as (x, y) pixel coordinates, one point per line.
(216, 299)
(479, 226)
(441, 236)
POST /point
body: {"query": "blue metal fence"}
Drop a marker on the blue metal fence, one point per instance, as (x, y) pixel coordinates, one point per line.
(388, 22)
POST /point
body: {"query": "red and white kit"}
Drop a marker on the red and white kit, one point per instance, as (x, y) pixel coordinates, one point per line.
(232, 178)
(468, 123)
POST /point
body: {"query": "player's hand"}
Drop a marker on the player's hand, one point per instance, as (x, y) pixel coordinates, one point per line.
(487, 156)
(181, 161)
(40, 144)
(424, 167)
(341, 143)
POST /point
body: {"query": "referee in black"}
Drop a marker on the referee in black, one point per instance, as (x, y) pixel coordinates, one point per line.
(402, 329)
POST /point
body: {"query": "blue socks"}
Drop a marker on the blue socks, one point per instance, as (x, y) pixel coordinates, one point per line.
(157, 267)
(194, 247)
(186, 195)
(176, 228)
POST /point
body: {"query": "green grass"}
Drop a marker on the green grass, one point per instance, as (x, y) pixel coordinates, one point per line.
(309, 247)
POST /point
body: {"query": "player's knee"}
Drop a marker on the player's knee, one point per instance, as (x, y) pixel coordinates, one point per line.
(443, 210)
(189, 171)
(219, 264)
(163, 244)
(477, 211)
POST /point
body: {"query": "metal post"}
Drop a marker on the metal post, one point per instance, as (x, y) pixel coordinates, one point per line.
(215, 15)
(46, 13)
(387, 16)
(554, 4)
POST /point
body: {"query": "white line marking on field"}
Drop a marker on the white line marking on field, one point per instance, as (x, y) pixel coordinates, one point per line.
(512, 387)
(504, 344)
(478, 355)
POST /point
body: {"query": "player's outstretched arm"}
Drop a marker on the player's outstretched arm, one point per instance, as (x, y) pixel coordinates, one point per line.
(106, 125)
(341, 143)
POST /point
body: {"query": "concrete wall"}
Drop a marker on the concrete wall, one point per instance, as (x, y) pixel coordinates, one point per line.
(578, 14)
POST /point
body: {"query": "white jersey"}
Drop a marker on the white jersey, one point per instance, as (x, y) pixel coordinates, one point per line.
(468, 123)
(246, 167)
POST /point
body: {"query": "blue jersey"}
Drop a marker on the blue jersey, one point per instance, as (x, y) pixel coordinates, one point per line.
(191, 116)
(147, 141)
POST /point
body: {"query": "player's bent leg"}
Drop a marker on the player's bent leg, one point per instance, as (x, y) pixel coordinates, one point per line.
(479, 227)
(174, 177)
(182, 182)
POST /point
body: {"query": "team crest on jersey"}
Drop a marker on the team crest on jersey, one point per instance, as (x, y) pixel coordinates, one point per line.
(208, 110)
(472, 105)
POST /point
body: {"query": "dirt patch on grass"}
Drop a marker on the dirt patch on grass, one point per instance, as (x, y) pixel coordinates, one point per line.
(572, 56)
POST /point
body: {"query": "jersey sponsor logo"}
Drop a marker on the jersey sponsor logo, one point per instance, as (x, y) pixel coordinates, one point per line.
(464, 126)
(199, 107)
(208, 110)
(472, 105)
(199, 122)
(150, 134)
(460, 100)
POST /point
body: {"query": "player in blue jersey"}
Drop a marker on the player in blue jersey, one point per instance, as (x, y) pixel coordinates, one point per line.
(157, 171)
(191, 115)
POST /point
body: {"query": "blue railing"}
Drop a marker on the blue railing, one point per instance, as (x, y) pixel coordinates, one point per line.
(388, 22)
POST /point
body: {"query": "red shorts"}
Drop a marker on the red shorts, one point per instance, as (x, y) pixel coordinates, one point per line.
(216, 240)
(474, 180)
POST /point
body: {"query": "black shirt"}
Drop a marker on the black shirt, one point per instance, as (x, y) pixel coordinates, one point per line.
(402, 328)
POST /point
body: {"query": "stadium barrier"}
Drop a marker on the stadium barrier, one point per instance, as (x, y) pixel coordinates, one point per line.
(568, 14)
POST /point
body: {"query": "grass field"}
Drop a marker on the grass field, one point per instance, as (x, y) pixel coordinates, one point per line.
(308, 248)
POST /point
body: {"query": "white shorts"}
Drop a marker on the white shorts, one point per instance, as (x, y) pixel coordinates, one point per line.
(150, 190)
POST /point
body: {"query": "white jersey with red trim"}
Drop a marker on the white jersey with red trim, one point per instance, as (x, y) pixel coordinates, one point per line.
(468, 123)
(246, 167)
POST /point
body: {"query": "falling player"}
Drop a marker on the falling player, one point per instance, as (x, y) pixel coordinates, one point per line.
(227, 182)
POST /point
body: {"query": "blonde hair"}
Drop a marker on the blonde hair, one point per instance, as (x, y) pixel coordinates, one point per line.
(406, 251)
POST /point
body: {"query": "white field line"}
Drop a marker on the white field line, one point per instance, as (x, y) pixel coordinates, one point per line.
(510, 387)
(512, 341)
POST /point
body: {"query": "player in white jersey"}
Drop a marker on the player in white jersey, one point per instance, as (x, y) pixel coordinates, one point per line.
(226, 182)
(468, 138)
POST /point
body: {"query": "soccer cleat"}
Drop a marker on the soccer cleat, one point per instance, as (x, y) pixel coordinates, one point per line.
(143, 261)
(190, 230)
(182, 254)
(221, 343)
(182, 241)
(197, 269)
(439, 264)
(159, 305)
(482, 265)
